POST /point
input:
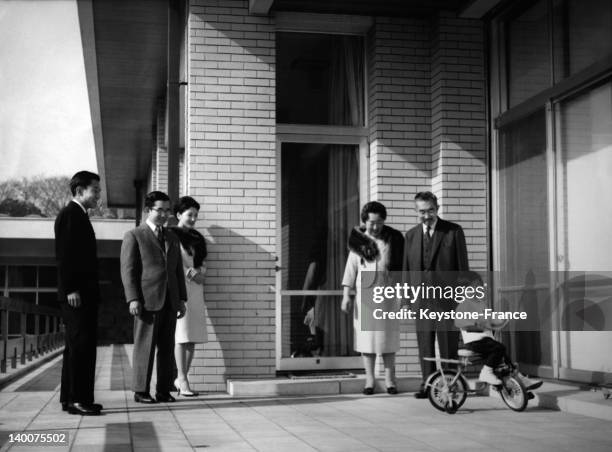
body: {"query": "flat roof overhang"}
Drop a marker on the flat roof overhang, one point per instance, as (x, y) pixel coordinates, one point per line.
(125, 53)
(125, 46)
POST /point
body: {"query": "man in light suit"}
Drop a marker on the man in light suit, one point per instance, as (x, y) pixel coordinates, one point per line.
(79, 294)
(154, 284)
(436, 248)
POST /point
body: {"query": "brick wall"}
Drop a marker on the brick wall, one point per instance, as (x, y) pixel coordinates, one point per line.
(161, 151)
(232, 173)
(399, 125)
(427, 132)
(458, 129)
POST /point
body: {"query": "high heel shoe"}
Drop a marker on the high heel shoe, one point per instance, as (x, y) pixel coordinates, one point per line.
(184, 390)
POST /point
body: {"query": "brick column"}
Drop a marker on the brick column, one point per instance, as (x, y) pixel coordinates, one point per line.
(232, 173)
(458, 128)
(399, 122)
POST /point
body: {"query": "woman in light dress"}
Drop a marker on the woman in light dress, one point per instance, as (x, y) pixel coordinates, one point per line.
(373, 247)
(190, 329)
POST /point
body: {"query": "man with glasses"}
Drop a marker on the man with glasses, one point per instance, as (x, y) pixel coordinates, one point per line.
(435, 249)
(154, 284)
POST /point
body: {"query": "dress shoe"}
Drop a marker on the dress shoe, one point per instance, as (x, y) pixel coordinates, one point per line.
(143, 397)
(368, 390)
(392, 390)
(164, 397)
(420, 394)
(96, 406)
(84, 409)
(182, 387)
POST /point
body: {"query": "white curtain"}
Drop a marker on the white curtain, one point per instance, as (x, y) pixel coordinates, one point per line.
(346, 108)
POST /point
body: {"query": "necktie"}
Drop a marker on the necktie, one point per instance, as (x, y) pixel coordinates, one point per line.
(160, 237)
(427, 236)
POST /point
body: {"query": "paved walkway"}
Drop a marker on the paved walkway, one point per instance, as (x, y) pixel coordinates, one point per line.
(217, 422)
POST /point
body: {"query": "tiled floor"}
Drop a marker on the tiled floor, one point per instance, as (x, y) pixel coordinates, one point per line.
(217, 422)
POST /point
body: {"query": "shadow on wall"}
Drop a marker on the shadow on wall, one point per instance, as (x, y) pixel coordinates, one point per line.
(239, 295)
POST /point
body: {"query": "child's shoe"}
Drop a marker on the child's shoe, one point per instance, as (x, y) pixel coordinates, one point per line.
(529, 383)
(487, 375)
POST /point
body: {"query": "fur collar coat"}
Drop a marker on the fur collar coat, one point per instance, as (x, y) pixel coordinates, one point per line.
(365, 247)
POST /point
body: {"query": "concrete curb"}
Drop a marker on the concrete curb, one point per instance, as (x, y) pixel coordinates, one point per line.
(30, 366)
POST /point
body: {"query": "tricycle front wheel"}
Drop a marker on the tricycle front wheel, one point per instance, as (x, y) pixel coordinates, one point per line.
(447, 392)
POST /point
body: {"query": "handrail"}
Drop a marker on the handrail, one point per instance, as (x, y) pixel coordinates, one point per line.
(24, 345)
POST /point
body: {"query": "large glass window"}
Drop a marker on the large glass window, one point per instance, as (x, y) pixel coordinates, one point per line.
(523, 228)
(31, 284)
(585, 165)
(583, 34)
(320, 79)
(553, 157)
(523, 188)
(22, 276)
(528, 54)
(320, 82)
(320, 205)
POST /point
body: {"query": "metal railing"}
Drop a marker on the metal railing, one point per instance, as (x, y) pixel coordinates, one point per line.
(27, 331)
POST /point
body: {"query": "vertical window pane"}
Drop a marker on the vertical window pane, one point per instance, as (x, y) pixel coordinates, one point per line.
(583, 34)
(319, 79)
(586, 215)
(22, 276)
(523, 228)
(528, 54)
(586, 154)
(320, 205)
(523, 195)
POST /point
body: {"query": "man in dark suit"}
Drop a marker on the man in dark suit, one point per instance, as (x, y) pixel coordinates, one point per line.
(436, 250)
(79, 294)
(154, 284)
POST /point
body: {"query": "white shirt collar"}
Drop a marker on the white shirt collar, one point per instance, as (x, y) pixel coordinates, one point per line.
(152, 225)
(433, 227)
(80, 205)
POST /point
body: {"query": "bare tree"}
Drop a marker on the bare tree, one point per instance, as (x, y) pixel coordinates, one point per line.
(47, 195)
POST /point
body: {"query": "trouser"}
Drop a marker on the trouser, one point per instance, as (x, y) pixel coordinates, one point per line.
(79, 360)
(154, 329)
(448, 342)
(492, 351)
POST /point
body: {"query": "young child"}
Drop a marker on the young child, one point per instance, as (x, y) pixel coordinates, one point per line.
(478, 337)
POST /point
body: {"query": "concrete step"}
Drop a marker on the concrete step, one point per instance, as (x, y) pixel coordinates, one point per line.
(572, 398)
(316, 386)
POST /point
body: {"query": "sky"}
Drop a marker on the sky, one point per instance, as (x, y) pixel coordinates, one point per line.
(45, 124)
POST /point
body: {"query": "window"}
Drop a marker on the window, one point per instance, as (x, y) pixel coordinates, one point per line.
(528, 54)
(30, 284)
(583, 34)
(551, 91)
(322, 150)
(319, 79)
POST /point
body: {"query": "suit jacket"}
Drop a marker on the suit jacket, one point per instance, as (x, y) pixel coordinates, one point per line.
(76, 255)
(148, 272)
(448, 253)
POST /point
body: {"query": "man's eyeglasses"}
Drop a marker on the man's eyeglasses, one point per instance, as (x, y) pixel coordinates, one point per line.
(161, 210)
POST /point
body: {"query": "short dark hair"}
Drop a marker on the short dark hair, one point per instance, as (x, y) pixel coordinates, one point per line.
(82, 179)
(185, 203)
(154, 196)
(373, 207)
(426, 196)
